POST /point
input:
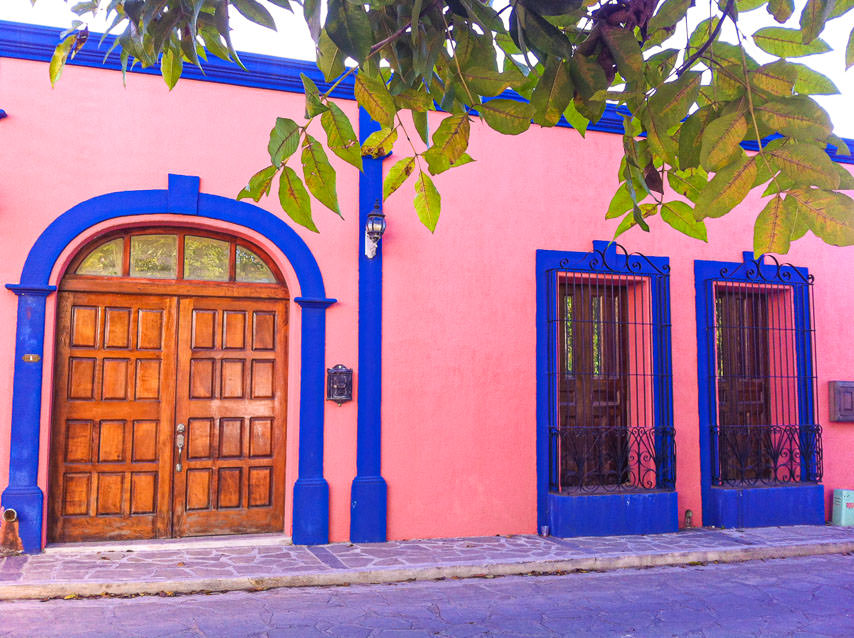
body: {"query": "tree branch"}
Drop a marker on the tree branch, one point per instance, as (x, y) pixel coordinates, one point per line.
(690, 61)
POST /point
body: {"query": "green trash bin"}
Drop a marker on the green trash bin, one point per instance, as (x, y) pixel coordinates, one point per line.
(843, 508)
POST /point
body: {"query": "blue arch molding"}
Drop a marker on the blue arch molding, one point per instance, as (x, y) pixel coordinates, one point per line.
(311, 492)
(794, 504)
(649, 512)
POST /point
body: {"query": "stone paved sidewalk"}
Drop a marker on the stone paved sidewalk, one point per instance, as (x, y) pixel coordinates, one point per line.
(268, 562)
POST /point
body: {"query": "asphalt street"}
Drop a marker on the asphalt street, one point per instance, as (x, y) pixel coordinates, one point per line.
(786, 597)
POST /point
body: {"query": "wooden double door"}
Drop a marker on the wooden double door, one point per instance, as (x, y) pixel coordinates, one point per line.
(168, 416)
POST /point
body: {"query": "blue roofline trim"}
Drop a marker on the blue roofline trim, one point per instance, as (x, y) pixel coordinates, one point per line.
(36, 42)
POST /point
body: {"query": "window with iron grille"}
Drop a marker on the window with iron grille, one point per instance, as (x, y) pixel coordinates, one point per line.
(764, 427)
(610, 417)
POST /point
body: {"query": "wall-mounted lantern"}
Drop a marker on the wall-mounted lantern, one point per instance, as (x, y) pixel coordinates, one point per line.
(339, 384)
(374, 229)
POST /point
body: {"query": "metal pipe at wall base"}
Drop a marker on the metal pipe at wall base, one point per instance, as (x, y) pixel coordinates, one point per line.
(10, 515)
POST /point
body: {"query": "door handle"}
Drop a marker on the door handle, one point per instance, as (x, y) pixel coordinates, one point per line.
(179, 442)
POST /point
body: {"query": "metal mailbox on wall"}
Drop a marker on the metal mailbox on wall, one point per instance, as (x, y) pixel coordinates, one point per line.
(841, 400)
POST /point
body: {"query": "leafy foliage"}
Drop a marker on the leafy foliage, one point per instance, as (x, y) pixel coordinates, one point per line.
(691, 102)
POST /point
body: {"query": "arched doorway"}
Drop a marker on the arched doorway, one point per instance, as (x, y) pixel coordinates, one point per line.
(169, 389)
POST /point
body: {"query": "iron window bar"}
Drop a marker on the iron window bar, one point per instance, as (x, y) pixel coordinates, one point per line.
(765, 429)
(610, 382)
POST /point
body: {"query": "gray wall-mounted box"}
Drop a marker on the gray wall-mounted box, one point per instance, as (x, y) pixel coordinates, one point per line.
(841, 400)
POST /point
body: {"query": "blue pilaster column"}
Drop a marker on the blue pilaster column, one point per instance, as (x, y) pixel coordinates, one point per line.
(23, 493)
(311, 491)
(368, 495)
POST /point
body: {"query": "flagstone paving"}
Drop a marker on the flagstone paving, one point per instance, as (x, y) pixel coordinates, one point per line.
(804, 597)
(152, 568)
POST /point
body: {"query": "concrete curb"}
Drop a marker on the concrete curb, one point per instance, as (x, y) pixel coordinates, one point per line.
(431, 572)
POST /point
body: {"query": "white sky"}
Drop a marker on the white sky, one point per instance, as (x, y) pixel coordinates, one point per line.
(293, 41)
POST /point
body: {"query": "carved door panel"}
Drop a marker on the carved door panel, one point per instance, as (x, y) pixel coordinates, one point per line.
(113, 408)
(229, 476)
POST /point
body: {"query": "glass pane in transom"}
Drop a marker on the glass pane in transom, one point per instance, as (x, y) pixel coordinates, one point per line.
(205, 258)
(250, 267)
(105, 260)
(154, 256)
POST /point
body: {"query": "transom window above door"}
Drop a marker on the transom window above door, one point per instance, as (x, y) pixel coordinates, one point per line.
(176, 254)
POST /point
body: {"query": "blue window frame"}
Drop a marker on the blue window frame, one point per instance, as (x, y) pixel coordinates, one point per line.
(605, 435)
(760, 440)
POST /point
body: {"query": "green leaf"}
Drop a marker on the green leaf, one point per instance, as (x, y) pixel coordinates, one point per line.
(259, 184)
(539, 34)
(486, 82)
(428, 202)
(797, 116)
(636, 218)
(284, 139)
(255, 12)
(782, 10)
(841, 7)
(319, 174)
(839, 144)
(669, 13)
(576, 120)
(626, 53)
(60, 55)
(372, 94)
(587, 76)
(772, 232)
(721, 139)
(849, 51)
(786, 43)
(422, 125)
(294, 198)
(813, 17)
(806, 165)
(340, 137)
(846, 179)
(553, 93)
(743, 6)
(451, 139)
(380, 142)
(660, 141)
(673, 100)
(829, 215)
(397, 175)
(776, 78)
(620, 203)
(313, 105)
(688, 183)
(330, 59)
(690, 133)
(726, 189)
(680, 216)
(507, 116)
(810, 81)
(349, 27)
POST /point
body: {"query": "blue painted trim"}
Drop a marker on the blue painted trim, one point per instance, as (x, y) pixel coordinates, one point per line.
(572, 515)
(613, 514)
(734, 507)
(31, 42)
(767, 506)
(369, 492)
(311, 492)
(3, 114)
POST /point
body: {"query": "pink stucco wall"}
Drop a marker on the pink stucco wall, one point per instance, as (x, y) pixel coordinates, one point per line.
(459, 331)
(90, 136)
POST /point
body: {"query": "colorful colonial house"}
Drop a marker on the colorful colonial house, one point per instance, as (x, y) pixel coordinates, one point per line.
(175, 362)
